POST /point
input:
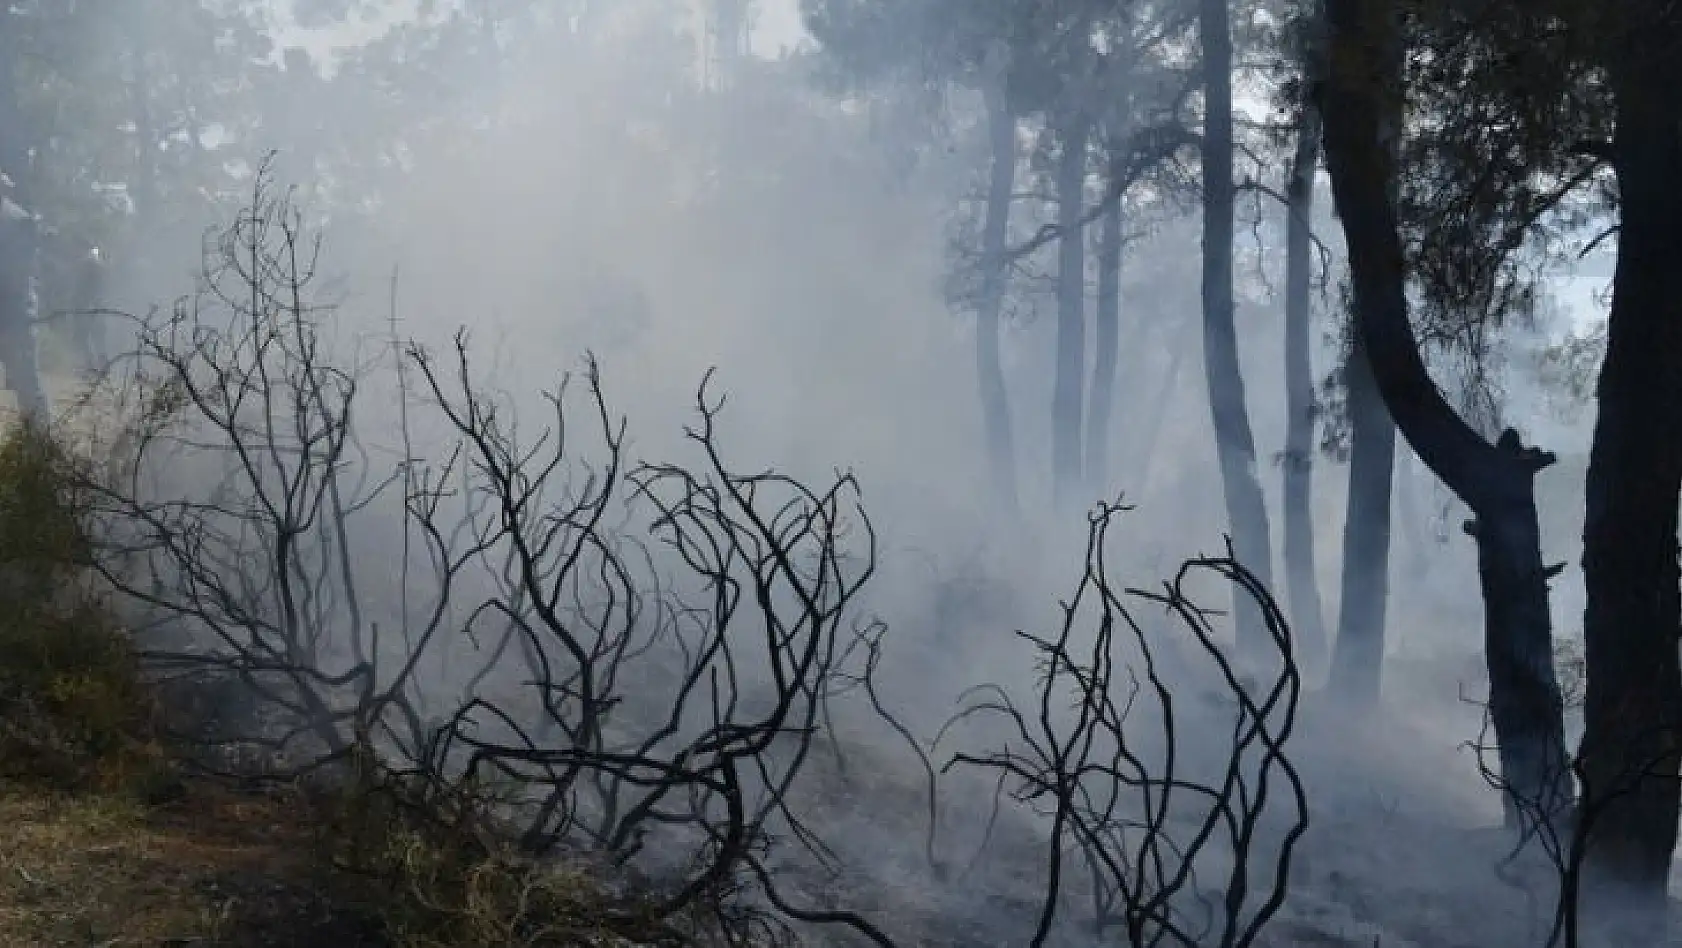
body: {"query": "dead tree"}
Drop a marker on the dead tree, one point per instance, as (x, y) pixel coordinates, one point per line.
(1138, 823)
(233, 522)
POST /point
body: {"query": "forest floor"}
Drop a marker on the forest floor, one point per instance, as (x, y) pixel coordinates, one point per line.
(208, 867)
(118, 863)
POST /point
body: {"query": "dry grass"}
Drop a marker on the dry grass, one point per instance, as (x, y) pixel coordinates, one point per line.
(213, 868)
(444, 880)
(216, 866)
(101, 841)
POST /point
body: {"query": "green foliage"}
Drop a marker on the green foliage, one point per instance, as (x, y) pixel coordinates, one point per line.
(1504, 160)
(74, 710)
(41, 532)
(1569, 369)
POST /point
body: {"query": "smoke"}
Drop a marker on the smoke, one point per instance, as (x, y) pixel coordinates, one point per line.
(589, 195)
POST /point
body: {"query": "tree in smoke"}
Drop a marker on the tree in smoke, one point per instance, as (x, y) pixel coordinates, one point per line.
(1358, 655)
(1301, 410)
(1111, 84)
(108, 111)
(1092, 81)
(987, 47)
(1633, 711)
(1143, 130)
(1235, 444)
(1359, 99)
(1581, 89)
(1072, 126)
(1001, 181)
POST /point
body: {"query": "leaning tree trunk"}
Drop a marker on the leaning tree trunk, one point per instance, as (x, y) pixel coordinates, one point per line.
(1068, 387)
(1496, 481)
(1298, 473)
(1235, 445)
(1633, 708)
(995, 400)
(1108, 343)
(1358, 659)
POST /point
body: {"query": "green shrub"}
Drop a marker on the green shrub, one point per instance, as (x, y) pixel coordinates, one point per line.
(74, 708)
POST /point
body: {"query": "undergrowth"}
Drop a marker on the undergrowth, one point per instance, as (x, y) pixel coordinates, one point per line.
(109, 828)
(441, 877)
(75, 711)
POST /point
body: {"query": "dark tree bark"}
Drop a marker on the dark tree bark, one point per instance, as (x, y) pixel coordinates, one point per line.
(1633, 710)
(1069, 388)
(995, 399)
(1235, 445)
(1497, 482)
(1358, 658)
(1108, 346)
(1298, 470)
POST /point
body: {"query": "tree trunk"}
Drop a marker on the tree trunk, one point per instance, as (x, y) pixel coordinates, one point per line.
(1069, 388)
(1108, 343)
(1633, 708)
(17, 315)
(1496, 481)
(1298, 474)
(1358, 658)
(18, 239)
(995, 400)
(1235, 445)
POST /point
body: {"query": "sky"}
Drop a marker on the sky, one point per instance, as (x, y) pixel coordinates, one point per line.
(776, 26)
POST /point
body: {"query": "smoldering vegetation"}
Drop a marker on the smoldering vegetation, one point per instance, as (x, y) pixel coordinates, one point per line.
(831, 496)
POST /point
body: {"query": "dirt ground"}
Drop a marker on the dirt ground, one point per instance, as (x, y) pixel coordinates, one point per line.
(214, 867)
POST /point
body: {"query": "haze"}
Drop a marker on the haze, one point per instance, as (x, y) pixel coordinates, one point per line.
(805, 214)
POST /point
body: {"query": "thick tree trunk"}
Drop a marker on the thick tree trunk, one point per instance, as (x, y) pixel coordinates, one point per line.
(1298, 474)
(995, 399)
(1235, 445)
(1496, 481)
(1108, 343)
(1633, 711)
(1069, 388)
(1358, 658)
